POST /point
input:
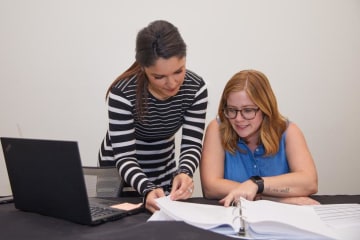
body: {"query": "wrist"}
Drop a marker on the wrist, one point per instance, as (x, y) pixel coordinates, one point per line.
(147, 191)
(185, 171)
(179, 171)
(259, 181)
(145, 194)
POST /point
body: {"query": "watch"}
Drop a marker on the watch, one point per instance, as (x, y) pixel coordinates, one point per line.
(259, 182)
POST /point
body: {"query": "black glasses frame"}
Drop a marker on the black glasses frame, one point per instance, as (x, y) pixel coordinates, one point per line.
(241, 113)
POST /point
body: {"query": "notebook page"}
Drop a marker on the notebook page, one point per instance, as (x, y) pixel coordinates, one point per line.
(201, 215)
(160, 216)
(343, 218)
(279, 219)
(339, 215)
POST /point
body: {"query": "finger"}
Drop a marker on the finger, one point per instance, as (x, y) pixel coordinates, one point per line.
(226, 201)
(153, 209)
(172, 193)
(180, 193)
(159, 193)
(310, 201)
(191, 187)
(150, 208)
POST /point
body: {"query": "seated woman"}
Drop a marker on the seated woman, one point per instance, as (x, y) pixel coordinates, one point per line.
(252, 151)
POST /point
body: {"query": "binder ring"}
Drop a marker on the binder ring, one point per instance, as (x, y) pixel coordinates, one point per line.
(238, 207)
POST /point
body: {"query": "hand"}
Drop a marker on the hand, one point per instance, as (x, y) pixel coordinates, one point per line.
(247, 190)
(150, 203)
(182, 187)
(299, 201)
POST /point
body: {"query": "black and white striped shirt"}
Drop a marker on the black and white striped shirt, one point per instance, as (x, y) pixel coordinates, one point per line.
(144, 151)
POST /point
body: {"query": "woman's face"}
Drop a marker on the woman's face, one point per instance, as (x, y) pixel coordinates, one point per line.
(166, 77)
(246, 129)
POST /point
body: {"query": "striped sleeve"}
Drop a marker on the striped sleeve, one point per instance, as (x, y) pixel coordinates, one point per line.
(192, 132)
(123, 142)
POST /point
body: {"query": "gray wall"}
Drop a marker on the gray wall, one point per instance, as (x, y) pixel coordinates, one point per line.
(57, 59)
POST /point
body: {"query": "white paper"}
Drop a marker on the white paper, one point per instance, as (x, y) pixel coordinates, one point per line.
(160, 216)
(271, 218)
(201, 215)
(264, 219)
(339, 215)
(343, 218)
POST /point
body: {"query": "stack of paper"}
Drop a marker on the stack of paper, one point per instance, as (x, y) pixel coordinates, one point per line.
(343, 218)
(263, 219)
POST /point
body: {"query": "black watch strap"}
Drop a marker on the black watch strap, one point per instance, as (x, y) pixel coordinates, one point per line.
(259, 182)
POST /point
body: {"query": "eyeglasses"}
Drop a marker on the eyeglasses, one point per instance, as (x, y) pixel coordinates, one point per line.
(246, 113)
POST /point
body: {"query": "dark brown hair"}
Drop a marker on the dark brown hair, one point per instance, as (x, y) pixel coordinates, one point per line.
(160, 39)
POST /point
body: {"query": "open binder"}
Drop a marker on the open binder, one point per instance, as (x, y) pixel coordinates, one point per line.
(261, 219)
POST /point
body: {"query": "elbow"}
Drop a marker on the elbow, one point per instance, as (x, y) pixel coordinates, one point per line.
(312, 187)
(208, 194)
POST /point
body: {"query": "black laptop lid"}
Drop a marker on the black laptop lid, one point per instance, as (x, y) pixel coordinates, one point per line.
(46, 177)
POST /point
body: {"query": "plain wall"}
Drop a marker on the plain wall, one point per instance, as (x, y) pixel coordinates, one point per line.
(58, 57)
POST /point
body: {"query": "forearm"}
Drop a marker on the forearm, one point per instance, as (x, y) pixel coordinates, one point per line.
(192, 135)
(218, 188)
(290, 185)
(132, 174)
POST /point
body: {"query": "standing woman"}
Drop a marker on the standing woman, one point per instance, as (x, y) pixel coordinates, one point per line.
(147, 105)
(252, 151)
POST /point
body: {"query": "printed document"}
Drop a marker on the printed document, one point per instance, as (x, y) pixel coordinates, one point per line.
(264, 219)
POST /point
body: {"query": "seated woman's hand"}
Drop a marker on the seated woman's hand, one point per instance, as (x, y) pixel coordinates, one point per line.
(299, 200)
(290, 200)
(246, 190)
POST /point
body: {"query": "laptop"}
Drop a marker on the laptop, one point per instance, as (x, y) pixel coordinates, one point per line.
(46, 177)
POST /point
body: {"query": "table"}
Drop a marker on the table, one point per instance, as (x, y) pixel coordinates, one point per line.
(15, 224)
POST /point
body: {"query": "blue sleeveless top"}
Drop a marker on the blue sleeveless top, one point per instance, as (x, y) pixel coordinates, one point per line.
(241, 166)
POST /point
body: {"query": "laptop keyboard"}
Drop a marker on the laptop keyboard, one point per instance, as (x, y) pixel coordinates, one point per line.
(97, 211)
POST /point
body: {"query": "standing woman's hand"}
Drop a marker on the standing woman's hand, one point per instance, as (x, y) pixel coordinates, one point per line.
(150, 203)
(182, 187)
